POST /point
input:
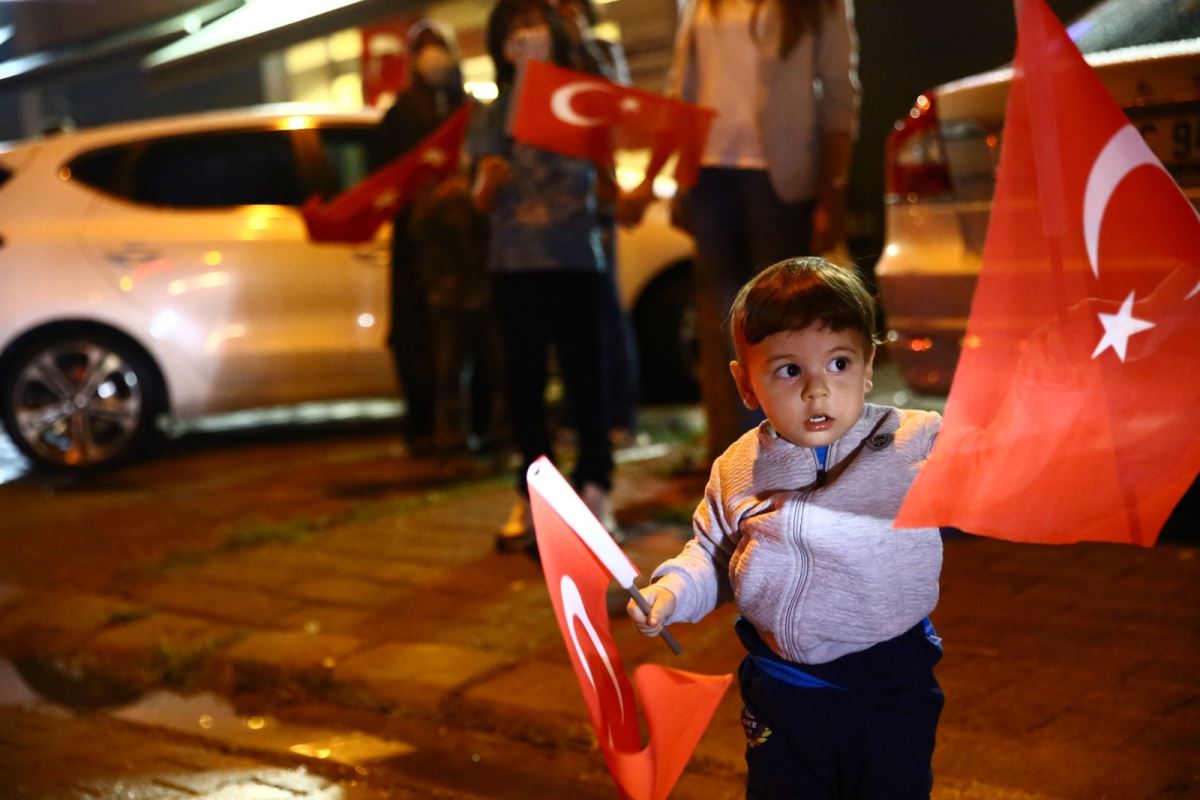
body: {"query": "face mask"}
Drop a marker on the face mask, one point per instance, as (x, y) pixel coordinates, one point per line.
(435, 65)
(528, 44)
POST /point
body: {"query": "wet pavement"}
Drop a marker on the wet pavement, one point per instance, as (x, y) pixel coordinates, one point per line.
(308, 612)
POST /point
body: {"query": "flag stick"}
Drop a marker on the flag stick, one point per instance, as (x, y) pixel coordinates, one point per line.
(642, 603)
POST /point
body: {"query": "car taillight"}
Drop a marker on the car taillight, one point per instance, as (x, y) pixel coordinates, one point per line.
(915, 161)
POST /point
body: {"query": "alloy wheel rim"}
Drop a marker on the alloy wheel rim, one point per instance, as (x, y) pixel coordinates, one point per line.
(77, 403)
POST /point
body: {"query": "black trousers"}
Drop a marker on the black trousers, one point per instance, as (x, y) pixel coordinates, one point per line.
(560, 311)
(838, 744)
(741, 227)
(408, 339)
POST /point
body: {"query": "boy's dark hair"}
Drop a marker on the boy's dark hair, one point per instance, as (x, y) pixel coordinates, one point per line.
(501, 19)
(791, 295)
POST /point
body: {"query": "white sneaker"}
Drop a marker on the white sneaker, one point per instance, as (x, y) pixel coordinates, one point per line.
(516, 534)
(598, 502)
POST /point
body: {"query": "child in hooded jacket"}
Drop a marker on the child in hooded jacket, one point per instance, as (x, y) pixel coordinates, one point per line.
(840, 699)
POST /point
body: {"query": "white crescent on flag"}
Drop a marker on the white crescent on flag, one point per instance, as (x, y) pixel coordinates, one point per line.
(1125, 152)
(573, 609)
(560, 103)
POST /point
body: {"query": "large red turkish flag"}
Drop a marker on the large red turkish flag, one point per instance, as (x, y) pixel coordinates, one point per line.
(582, 115)
(1072, 415)
(355, 214)
(678, 704)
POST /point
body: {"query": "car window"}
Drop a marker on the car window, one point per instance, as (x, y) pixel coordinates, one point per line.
(348, 154)
(1113, 24)
(215, 170)
(101, 169)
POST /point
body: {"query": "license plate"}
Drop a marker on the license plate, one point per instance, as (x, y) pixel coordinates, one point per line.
(1174, 138)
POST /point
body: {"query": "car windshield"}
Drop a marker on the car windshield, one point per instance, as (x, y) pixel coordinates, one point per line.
(1113, 24)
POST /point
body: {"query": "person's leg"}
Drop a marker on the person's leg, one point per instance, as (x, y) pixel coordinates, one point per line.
(722, 265)
(787, 756)
(526, 338)
(577, 323)
(620, 344)
(448, 332)
(409, 341)
(481, 378)
(898, 733)
(776, 229)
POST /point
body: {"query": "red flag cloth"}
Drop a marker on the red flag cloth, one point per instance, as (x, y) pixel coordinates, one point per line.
(355, 214)
(1072, 413)
(585, 116)
(678, 704)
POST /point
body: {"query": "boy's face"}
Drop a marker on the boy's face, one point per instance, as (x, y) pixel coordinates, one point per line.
(810, 383)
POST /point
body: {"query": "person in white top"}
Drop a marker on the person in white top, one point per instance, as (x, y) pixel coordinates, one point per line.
(782, 76)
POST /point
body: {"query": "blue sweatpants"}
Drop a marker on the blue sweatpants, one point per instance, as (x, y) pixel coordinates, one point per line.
(871, 740)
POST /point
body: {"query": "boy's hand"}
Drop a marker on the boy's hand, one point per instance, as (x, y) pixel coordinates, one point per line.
(662, 605)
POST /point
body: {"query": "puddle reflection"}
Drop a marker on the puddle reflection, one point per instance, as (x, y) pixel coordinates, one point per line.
(33, 684)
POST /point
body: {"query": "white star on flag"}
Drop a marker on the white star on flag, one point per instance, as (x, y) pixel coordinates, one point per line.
(1119, 327)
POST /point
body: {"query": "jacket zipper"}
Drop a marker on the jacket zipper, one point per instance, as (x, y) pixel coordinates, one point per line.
(803, 557)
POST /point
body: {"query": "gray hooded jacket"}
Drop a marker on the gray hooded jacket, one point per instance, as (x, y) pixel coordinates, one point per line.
(812, 561)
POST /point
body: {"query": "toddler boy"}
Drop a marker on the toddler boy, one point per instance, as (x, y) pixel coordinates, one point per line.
(840, 700)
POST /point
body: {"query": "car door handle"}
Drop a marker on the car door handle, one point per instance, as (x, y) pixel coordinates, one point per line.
(131, 255)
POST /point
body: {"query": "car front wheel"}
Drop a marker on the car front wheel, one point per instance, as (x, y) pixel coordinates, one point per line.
(79, 401)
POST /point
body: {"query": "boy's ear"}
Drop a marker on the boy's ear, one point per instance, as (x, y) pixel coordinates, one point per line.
(743, 384)
(870, 371)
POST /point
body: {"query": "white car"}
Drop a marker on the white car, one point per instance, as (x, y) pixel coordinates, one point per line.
(163, 268)
(941, 162)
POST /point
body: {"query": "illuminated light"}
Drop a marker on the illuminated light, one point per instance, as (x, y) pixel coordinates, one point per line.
(106, 390)
(893, 336)
(971, 341)
(914, 112)
(920, 345)
(329, 662)
(208, 280)
(992, 140)
(898, 124)
(214, 340)
(126, 283)
(212, 258)
(64, 174)
(484, 91)
(923, 102)
(892, 250)
(295, 123)
(256, 723)
(312, 627)
(366, 320)
(164, 324)
(206, 721)
(665, 186)
(609, 31)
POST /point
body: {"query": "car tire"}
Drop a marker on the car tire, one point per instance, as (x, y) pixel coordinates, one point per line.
(80, 400)
(668, 349)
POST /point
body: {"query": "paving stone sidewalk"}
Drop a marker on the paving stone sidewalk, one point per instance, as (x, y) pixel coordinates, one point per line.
(1071, 672)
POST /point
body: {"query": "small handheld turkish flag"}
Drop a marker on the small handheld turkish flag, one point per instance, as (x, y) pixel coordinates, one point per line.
(578, 562)
(1072, 413)
(585, 116)
(355, 214)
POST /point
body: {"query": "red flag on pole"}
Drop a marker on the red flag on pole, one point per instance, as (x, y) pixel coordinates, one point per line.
(578, 558)
(355, 214)
(1072, 413)
(585, 116)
